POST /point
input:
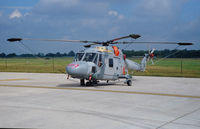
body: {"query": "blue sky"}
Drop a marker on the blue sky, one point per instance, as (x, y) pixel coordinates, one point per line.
(155, 20)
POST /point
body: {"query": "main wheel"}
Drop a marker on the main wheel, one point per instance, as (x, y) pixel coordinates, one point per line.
(94, 81)
(129, 82)
(89, 83)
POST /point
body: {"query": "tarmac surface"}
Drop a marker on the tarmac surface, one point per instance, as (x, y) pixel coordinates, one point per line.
(42, 100)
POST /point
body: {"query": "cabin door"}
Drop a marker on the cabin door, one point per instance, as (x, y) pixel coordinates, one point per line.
(117, 66)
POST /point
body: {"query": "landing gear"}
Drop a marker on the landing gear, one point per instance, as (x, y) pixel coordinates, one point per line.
(88, 83)
(91, 82)
(129, 82)
(82, 82)
(95, 82)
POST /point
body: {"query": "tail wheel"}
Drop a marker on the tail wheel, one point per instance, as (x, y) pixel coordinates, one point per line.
(129, 83)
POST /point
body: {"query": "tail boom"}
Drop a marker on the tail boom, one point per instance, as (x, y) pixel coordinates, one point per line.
(135, 66)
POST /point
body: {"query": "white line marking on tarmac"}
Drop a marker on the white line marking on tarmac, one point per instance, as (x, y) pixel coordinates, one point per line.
(99, 90)
(16, 79)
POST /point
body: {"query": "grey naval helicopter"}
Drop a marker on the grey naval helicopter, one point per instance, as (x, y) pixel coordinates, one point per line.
(104, 61)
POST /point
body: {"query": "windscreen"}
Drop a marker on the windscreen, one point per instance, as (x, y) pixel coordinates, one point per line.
(79, 56)
(89, 57)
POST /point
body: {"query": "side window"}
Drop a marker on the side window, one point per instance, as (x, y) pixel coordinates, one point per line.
(100, 60)
(100, 57)
(110, 62)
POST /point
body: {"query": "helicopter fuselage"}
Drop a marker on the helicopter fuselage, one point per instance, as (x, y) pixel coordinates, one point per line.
(99, 63)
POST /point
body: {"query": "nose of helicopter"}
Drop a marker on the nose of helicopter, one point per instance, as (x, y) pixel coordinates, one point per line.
(77, 69)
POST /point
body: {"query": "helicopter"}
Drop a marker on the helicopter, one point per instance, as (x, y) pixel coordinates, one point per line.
(105, 61)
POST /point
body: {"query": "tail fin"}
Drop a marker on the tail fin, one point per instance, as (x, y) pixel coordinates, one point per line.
(142, 66)
(146, 58)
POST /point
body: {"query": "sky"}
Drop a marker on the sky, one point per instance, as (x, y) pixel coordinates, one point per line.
(98, 20)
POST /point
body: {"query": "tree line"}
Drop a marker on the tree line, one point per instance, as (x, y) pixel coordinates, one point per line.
(129, 53)
(58, 54)
(166, 53)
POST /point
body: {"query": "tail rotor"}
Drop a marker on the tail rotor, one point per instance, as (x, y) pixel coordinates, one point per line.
(151, 55)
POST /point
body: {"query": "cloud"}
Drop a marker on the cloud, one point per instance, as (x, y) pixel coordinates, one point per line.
(15, 14)
(115, 13)
(71, 9)
(155, 20)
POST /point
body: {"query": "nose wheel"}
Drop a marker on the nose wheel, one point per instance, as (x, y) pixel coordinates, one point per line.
(82, 82)
(88, 83)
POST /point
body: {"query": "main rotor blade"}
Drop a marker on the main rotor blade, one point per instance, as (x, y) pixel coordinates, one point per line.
(14, 39)
(89, 45)
(135, 36)
(51, 40)
(178, 43)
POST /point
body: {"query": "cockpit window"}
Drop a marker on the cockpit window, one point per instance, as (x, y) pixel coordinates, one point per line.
(79, 56)
(89, 57)
(95, 60)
